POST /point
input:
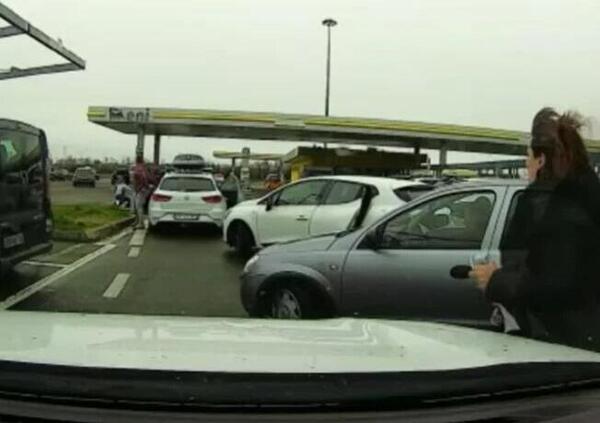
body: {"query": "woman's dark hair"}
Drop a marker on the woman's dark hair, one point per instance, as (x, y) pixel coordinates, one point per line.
(557, 137)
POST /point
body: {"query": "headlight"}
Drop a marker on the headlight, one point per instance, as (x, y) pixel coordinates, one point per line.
(251, 263)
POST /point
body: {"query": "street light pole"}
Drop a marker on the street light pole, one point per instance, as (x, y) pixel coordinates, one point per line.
(328, 23)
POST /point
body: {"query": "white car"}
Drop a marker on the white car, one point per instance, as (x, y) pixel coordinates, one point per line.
(315, 206)
(187, 198)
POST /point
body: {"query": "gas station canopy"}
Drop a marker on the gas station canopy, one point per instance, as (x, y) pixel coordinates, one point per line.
(235, 155)
(312, 128)
(19, 26)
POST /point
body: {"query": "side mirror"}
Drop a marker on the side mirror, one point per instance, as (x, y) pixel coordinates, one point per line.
(269, 203)
(460, 271)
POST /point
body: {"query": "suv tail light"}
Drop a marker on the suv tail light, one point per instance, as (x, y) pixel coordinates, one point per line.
(160, 198)
(212, 199)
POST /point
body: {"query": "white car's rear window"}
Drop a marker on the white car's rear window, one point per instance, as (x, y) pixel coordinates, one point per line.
(187, 184)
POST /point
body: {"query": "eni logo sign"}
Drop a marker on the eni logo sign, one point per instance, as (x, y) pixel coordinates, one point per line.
(129, 114)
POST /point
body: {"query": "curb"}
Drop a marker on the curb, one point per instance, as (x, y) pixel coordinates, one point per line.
(93, 235)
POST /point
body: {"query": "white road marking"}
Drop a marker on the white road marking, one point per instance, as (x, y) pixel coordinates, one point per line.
(42, 283)
(116, 237)
(134, 252)
(116, 286)
(41, 264)
(138, 237)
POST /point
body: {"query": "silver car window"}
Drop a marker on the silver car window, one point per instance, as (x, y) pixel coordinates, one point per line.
(455, 221)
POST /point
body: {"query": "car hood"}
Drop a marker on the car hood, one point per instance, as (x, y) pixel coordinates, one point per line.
(318, 243)
(263, 346)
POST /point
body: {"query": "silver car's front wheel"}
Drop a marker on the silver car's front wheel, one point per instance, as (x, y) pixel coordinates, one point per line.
(285, 305)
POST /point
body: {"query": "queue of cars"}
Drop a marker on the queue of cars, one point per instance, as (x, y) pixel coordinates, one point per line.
(404, 265)
(371, 247)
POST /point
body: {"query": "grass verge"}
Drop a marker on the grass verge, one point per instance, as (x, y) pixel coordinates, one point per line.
(80, 217)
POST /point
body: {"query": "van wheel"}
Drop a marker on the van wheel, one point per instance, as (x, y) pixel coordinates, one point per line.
(295, 301)
(243, 240)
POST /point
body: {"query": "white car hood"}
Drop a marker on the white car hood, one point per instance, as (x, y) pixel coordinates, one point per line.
(248, 345)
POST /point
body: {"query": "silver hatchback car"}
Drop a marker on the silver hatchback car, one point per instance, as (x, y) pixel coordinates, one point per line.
(398, 267)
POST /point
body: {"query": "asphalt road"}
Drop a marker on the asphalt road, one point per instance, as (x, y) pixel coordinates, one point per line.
(63, 192)
(179, 271)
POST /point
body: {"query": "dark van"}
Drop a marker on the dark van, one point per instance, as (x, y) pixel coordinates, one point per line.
(25, 214)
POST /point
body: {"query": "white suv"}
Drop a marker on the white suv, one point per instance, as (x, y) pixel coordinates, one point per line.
(315, 206)
(187, 198)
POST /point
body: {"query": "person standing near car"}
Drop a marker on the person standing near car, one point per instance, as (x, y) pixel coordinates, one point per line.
(549, 279)
(122, 193)
(142, 187)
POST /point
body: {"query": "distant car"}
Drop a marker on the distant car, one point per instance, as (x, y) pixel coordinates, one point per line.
(84, 176)
(314, 206)
(188, 163)
(186, 198)
(59, 175)
(402, 266)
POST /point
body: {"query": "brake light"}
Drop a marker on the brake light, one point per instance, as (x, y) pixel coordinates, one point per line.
(160, 198)
(212, 199)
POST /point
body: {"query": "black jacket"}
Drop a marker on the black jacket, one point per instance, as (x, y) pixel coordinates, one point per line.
(550, 277)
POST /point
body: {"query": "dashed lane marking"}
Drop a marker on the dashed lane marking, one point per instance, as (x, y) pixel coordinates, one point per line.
(116, 237)
(116, 286)
(137, 240)
(42, 283)
(134, 252)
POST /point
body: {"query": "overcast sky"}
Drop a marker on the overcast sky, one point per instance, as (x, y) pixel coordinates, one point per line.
(476, 62)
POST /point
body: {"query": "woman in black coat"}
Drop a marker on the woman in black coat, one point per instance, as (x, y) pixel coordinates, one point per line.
(551, 250)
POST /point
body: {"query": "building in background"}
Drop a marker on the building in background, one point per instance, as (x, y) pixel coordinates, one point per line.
(312, 161)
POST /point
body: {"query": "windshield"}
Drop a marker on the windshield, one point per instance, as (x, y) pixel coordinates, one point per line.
(22, 174)
(187, 184)
(18, 151)
(342, 179)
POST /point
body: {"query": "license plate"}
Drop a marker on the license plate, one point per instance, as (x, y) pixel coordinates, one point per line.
(180, 216)
(14, 240)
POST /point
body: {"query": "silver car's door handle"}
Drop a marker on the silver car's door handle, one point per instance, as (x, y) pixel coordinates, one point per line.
(302, 218)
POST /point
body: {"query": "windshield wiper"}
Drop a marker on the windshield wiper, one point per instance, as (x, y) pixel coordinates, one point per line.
(430, 237)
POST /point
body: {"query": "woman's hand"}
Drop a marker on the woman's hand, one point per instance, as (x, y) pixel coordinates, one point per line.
(482, 273)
